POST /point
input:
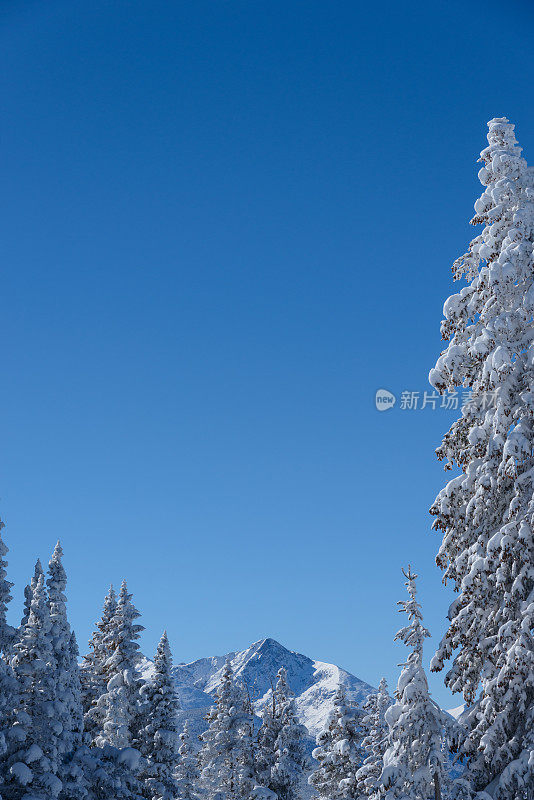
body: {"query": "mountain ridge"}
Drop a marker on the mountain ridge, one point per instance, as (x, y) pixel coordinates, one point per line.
(314, 683)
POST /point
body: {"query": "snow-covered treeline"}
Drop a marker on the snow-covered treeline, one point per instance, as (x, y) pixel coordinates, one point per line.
(76, 733)
(99, 731)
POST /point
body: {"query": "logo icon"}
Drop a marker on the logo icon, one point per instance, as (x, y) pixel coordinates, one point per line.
(384, 400)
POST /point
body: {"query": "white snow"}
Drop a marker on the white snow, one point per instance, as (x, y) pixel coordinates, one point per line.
(456, 712)
(314, 683)
(22, 773)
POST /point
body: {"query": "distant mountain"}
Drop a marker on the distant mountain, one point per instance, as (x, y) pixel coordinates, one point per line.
(314, 683)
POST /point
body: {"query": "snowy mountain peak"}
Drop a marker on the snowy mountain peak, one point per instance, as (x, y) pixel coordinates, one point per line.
(314, 683)
(258, 665)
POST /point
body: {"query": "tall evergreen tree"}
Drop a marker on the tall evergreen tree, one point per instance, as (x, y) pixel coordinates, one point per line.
(94, 672)
(267, 735)
(226, 760)
(271, 724)
(186, 773)
(246, 763)
(413, 760)
(7, 632)
(338, 752)
(290, 760)
(35, 767)
(348, 745)
(158, 739)
(11, 729)
(68, 704)
(374, 741)
(28, 590)
(118, 712)
(486, 512)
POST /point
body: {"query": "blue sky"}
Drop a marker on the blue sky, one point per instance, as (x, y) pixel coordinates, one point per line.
(225, 225)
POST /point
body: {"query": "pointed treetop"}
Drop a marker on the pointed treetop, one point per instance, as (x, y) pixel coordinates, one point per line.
(282, 690)
(56, 558)
(37, 573)
(110, 600)
(501, 158)
(7, 633)
(39, 607)
(227, 676)
(228, 688)
(125, 603)
(163, 657)
(127, 608)
(5, 585)
(3, 547)
(414, 634)
(408, 574)
(28, 590)
(39, 586)
(501, 135)
(57, 581)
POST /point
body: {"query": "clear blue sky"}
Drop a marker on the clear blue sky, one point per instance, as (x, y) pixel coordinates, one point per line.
(224, 226)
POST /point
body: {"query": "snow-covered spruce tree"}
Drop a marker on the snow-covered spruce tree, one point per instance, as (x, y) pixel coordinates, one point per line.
(324, 779)
(338, 752)
(103, 773)
(94, 667)
(7, 632)
(348, 746)
(270, 728)
(158, 739)
(413, 760)
(118, 711)
(11, 730)
(267, 734)
(290, 760)
(371, 769)
(28, 591)
(246, 772)
(68, 704)
(486, 514)
(374, 741)
(73, 769)
(186, 773)
(33, 769)
(226, 758)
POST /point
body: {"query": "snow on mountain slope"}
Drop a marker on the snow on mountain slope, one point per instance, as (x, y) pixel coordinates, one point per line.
(314, 683)
(457, 712)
